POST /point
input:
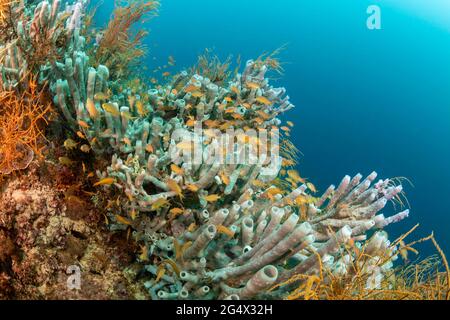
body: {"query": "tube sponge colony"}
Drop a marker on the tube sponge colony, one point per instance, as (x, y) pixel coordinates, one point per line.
(210, 229)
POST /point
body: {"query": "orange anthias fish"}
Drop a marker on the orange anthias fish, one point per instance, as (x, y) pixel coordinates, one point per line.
(122, 220)
(92, 110)
(224, 230)
(105, 181)
(173, 186)
(176, 169)
(175, 212)
(252, 85)
(192, 187)
(112, 109)
(101, 96)
(264, 100)
(81, 135)
(294, 175)
(212, 198)
(144, 253)
(149, 148)
(191, 88)
(162, 202)
(197, 94)
(263, 115)
(311, 187)
(225, 179)
(211, 123)
(83, 124)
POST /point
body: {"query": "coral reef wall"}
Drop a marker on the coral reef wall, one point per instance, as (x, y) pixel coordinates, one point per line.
(211, 218)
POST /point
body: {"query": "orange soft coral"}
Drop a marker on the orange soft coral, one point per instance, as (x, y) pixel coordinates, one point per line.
(21, 116)
(4, 9)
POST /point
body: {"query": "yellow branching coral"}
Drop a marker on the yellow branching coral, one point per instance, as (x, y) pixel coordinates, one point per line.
(21, 116)
(119, 46)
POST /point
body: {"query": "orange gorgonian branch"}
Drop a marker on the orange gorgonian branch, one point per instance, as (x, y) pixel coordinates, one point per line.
(21, 119)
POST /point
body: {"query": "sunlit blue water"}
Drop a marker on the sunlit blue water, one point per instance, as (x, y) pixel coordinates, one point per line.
(366, 100)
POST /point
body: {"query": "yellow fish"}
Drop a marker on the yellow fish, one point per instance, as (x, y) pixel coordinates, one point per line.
(264, 100)
(192, 187)
(191, 88)
(69, 144)
(190, 123)
(197, 94)
(110, 108)
(252, 85)
(173, 186)
(159, 204)
(149, 148)
(294, 175)
(127, 141)
(311, 187)
(176, 212)
(83, 124)
(65, 161)
(191, 227)
(144, 254)
(101, 96)
(122, 220)
(92, 110)
(212, 198)
(81, 135)
(105, 181)
(176, 169)
(160, 273)
(133, 214)
(274, 191)
(211, 123)
(85, 148)
(258, 183)
(263, 115)
(300, 200)
(224, 230)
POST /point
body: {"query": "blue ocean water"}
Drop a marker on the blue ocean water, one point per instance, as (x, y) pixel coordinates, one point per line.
(365, 99)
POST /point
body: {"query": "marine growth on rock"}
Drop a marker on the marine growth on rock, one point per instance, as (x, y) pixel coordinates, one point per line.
(198, 170)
